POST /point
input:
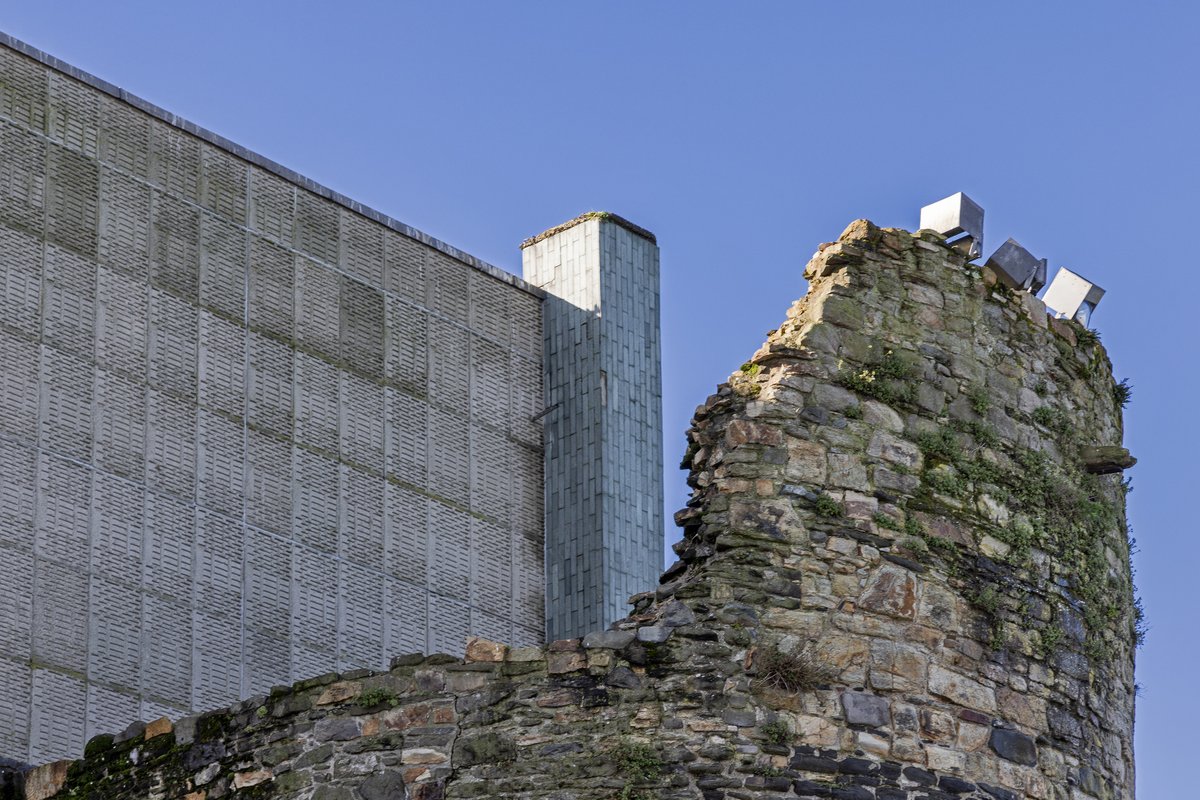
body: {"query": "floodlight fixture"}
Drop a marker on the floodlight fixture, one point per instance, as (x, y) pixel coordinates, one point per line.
(957, 216)
(1073, 296)
(1018, 268)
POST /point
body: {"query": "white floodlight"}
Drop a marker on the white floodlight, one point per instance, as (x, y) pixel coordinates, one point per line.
(954, 215)
(1073, 296)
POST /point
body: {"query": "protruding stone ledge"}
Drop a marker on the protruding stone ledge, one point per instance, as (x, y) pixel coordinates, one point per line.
(1106, 460)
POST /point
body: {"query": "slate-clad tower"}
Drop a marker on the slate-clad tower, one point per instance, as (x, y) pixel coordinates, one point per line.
(603, 415)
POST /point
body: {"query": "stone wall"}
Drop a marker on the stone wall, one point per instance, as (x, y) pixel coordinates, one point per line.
(250, 431)
(903, 576)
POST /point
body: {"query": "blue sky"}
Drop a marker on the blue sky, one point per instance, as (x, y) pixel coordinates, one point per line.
(744, 135)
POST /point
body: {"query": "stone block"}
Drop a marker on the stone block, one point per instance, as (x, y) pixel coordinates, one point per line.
(1106, 460)
(558, 663)
(944, 759)
(654, 634)
(478, 649)
(938, 726)
(847, 471)
(248, 778)
(45, 781)
(878, 415)
(866, 709)
(895, 450)
(525, 654)
(896, 666)
(873, 745)
(483, 748)
(386, 785)
(960, 689)
(973, 737)
(891, 591)
(740, 432)
(676, 614)
(612, 640)
(1022, 708)
(1014, 746)
(340, 692)
(806, 461)
(900, 483)
(158, 727)
(336, 729)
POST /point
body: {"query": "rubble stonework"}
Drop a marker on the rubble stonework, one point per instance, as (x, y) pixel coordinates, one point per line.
(898, 580)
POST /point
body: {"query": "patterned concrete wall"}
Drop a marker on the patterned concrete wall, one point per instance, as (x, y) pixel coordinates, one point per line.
(604, 419)
(248, 433)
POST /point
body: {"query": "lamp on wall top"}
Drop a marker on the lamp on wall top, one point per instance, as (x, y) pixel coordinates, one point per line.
(1073, 296)
(957, 216)
(1018, 268)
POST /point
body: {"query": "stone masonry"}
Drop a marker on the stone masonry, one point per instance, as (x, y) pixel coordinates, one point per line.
(904, 576)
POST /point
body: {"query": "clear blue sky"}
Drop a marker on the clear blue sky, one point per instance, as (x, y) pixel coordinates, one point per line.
(744, 135)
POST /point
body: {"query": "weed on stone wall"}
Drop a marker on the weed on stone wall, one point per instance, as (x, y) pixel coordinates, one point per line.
(979, 399)
(1122, 393)
(378, 696)
(744, 381)
(941, 444)
(776, 732)
(826, 506)
(1052, 419)
(1063, 510)
(792, 672)
(889, 380)
(1048, 640)
(640, 765)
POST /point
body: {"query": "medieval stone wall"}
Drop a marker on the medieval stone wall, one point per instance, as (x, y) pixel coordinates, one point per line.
(903, 576)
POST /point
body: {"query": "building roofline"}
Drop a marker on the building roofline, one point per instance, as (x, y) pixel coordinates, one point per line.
(601, 215)
(258, 160)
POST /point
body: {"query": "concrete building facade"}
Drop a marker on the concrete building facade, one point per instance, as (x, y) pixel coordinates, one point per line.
(252, 431)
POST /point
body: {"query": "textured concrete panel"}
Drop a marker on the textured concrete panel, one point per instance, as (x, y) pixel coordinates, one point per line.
(250, 430)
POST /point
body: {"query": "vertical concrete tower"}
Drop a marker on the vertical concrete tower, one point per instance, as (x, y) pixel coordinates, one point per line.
(603, 417)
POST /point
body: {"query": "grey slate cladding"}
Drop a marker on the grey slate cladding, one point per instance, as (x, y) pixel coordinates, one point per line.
(604, 419)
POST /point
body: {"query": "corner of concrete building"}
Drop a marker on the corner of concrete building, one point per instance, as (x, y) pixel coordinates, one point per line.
(603, 417)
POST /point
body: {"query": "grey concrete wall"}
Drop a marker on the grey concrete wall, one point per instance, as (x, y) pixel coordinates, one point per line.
(604, 523)
(249, 432)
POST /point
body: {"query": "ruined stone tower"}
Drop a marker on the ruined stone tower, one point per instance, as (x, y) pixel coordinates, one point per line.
(904, 574)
